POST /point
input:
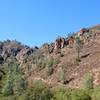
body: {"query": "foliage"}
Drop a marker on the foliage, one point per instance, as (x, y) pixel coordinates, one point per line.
(88, 82)
(8, 87)
(39, 92)
(79, 95)
(96, 94)
(15, 81)
(60, 94)
(49, 66)
(79, 45)
(61, 77)
(39, 60)
(70, 94)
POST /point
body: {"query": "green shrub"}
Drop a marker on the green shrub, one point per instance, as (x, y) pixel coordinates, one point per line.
(49, 66)
(88, 82)
(8, 85)
(8, 88)
(39, 60)
(61, 77)
(9, 98)
(60, 94)
(39, 92)
(15, 83)
(79, 45)
(77, 61)
(70, 94)
(56, 61)
(24, 96)
(96, 94)
(79, 95)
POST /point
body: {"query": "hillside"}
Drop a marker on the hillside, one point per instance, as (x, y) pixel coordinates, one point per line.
(65, 62)
(65, 58)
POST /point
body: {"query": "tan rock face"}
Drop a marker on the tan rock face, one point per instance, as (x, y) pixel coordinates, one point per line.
(21, 55)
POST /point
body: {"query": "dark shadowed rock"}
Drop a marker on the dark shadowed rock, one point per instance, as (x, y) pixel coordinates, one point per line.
(1, 59)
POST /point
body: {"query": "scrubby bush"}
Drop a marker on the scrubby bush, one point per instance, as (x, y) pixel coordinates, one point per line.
(79, 95)
(50, 63)
(9, 84)
(60, 94)
(39, 92)
(56, 61)
(96, 94)
(8, 98)
(87, 82)
(39, 60)
(49, 66)
(15, 82)
(8, 88)
(61, 76)
(70, 94)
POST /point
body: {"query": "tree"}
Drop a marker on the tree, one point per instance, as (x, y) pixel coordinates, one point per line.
(15, 82)
(39, 92)
(8, 87)
(79, 45)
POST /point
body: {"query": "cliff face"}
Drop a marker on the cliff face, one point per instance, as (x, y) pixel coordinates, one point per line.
(48, 62)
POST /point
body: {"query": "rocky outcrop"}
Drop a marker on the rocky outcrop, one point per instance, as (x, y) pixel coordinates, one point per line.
(22, 55)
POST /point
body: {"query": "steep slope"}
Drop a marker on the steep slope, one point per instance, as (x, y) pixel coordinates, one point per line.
(74, 73)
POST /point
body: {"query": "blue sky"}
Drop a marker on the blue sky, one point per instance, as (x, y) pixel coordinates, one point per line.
(34, 22)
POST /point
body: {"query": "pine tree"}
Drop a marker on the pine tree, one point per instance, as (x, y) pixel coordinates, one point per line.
(8, 87)
(15, 83)
(79, 45)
